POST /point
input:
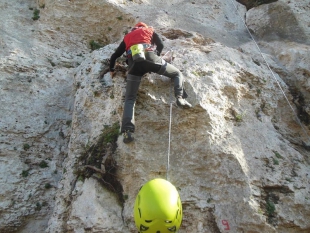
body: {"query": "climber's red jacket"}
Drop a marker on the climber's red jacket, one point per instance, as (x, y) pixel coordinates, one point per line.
(141, 35)
(137, 36)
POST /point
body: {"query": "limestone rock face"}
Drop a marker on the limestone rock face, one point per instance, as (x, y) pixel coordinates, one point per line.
(284, 30)
(282, 20)
(239, 158)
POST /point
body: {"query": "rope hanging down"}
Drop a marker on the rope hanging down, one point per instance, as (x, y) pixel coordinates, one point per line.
(273, 75)
(170, 121)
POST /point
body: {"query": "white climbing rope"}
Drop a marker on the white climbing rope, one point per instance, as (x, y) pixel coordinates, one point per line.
(169, 141)
(170, 122)
(273, 75)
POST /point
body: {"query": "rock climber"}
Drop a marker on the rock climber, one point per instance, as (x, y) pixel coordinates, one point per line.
(143, 47)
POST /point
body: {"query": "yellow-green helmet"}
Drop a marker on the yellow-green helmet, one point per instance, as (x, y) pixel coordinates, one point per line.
(158, 208)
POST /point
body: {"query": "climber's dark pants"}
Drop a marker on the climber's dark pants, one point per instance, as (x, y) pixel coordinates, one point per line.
(155, 64)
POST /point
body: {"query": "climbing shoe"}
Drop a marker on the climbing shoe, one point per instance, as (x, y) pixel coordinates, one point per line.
(127, 137)
(183, 103)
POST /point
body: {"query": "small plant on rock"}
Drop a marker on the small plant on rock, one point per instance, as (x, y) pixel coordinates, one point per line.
(43, 164)
(47, 186)
(238, 117)
(275, 161)
(97, 161)
(270, 207)
(38, 206)
(26, 146)
(36, 14)
(68, 122)
(95, 45)
(25, 173)
(277, 154)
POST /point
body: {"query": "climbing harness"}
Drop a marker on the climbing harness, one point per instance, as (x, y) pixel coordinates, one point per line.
(273, 75)
(137, 52)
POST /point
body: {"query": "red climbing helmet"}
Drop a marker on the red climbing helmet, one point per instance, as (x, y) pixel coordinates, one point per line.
(141, 24)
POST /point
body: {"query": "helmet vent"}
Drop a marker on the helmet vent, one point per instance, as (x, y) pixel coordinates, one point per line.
(139, 212)
(143, 228)
(172, 229)
(168, 221)
(148, 221)
(177, 214)
(138, 200)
